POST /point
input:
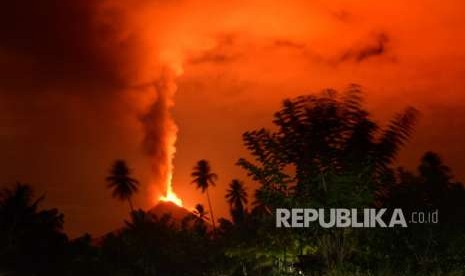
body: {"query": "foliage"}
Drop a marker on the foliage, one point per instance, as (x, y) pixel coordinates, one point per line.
(323, 147)
(29, 235)
(204, 178)
(236, 196)
(120, 180)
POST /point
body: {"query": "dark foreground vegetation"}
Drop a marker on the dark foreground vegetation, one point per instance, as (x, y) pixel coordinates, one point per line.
(325, 151)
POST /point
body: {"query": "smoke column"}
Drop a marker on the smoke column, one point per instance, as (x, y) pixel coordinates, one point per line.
(161, 133)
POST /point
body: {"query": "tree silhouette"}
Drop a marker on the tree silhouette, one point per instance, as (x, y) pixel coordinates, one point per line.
(436, 178)
(325, 151)
(322, 142)
(236, 196)
(200, 213)
(203, 177)
(433, 187)
(196, 221)
(30, 239)
(121, 182)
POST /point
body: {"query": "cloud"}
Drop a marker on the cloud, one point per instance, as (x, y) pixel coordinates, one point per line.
(285, 43)
(375, 46)
(342, 15)
(52, 43)
(225, 51)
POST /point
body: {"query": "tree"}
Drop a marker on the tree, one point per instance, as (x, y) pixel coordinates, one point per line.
(120, 180)
(321, 142)
(200, 212)
(29, 235)
(236, 196)
(431, 189)
(325, 151)
(203, 177)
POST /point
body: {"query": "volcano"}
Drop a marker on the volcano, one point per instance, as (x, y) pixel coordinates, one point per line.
(176, 212)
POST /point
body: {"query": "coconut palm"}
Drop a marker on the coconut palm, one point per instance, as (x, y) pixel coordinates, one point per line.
(29, 234)
(198, 216)
(200, 212)
(121, 182)
(203, 177)
(237, 198)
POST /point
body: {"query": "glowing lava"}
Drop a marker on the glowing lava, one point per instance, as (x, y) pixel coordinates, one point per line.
(170, 195)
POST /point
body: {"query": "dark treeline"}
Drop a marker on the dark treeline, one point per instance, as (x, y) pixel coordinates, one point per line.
(324, 152)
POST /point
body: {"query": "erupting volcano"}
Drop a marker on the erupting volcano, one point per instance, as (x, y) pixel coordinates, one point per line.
(169, 153)
(170, 195)
(161, 135)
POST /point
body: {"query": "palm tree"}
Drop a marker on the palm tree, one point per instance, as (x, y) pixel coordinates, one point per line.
(29, 234)
(204, 178)
(199, 216)
(200, 212)
(237, 198)
(17, 206)
(120, 180)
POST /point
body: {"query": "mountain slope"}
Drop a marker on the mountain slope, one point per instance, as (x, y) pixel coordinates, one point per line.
(176, 212)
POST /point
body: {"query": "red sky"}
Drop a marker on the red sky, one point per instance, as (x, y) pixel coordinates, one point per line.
(77, 76)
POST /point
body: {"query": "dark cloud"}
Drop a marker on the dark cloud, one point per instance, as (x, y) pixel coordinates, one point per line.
(375, 46)
(212, 57)
(285, 43)
(342, 15)
(53, 43)
(225, 51)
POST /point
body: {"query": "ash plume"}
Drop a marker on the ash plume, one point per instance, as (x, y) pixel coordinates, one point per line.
(159, 128)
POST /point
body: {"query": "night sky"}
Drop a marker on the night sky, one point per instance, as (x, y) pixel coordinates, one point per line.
(83, 83)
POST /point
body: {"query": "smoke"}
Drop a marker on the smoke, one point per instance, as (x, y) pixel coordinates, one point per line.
(82, 84)
(161, 131)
